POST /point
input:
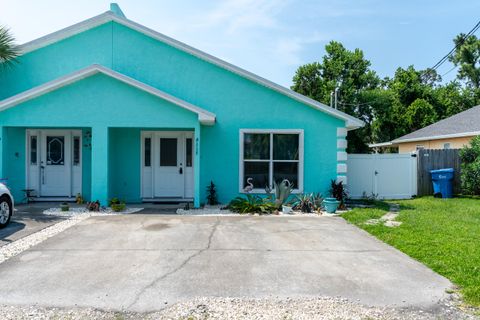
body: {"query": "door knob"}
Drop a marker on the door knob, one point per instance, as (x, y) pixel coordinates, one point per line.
(180, 170)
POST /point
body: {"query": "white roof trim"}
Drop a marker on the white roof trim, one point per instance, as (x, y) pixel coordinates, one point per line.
(381, 144)
(438, 137)
(350, 122)
(205, 117)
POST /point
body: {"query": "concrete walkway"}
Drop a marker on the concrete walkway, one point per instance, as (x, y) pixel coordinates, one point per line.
(142, 262)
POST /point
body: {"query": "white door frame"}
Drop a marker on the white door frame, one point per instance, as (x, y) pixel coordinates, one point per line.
(147, 174)
(33, 169)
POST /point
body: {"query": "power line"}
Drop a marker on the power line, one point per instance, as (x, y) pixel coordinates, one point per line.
(445, 58)
(454, 67)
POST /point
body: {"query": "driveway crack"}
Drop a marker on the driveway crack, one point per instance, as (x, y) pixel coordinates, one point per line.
(181, 266)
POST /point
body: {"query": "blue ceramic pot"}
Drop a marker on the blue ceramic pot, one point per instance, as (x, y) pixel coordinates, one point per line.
(331, 205)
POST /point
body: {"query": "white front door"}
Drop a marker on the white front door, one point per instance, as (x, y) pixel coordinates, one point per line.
(167, 164)
(54, 162)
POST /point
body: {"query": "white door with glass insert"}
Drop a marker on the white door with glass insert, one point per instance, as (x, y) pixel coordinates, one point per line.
(54, 162)
(167, 164)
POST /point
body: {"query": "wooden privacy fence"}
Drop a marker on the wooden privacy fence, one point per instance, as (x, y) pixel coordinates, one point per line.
(429, 159)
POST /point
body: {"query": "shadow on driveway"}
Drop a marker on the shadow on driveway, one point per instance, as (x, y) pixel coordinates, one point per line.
(27, 219)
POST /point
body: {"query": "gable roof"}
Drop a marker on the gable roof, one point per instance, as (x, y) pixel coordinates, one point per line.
(351, 122)
(463, 124)
(205, 117)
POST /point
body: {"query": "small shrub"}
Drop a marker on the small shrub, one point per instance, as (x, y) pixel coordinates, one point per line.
(64, 206)
(212, 194)
(117, 205)
(93, 206)
(113, 201)
(339, 192)
(317, 200)
(251, 204)
(470, 173)
(304, 202)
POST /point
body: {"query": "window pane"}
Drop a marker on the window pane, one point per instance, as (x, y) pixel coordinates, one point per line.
(147, 152)
(286, 170)
(189, 152)
(256, 146)
(258, 172)
(285, 146)
(168, 152)
(33, 150)
(76, 151)
(55, 150)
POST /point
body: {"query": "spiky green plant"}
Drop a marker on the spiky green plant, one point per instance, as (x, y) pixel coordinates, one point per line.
(282, 192)
(8, 50)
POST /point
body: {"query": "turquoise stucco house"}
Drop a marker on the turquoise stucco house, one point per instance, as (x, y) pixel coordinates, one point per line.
(109, 108)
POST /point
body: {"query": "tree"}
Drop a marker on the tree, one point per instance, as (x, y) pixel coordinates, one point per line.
(410, 84)
(467, 58)
(8, 50)
(419, 114)
(470, 173)
(351, 73)
(453, 98)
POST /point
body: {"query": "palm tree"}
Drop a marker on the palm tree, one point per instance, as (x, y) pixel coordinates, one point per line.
(8, 49)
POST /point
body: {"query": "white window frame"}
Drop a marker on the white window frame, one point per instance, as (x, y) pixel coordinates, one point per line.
(297, 189)
(419, 146)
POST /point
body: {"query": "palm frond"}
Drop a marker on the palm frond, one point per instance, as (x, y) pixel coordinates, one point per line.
(8, 50)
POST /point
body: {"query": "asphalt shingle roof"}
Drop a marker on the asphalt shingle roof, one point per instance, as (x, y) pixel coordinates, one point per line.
(461, 123)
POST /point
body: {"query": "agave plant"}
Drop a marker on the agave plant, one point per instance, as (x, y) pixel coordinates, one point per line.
(8, 49)
(305, 202)
(282, 192)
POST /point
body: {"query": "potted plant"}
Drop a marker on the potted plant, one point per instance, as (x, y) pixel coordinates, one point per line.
(64, 206)
(331, 205)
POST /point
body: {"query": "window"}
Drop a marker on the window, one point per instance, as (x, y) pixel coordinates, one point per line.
(76, 151)
(446, 145)
(419, 147)
(189, 152)
(55, 150)
(33, 150)
(168, 152)
(147, 156)
(268, 156)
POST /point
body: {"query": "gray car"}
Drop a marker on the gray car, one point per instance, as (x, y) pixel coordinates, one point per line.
(6, 205)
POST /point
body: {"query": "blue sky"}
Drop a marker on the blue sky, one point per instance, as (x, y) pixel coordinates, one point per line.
(273, 37)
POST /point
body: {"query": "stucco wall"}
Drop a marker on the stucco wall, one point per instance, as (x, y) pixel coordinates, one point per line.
(99, 102)
(455, 143)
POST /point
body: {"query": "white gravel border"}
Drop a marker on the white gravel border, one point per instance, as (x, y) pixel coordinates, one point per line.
(218, 211)
(75, 211)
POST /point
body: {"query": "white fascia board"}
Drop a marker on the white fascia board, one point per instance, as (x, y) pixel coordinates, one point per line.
(350, 122)
(205, 117)
(380, 144)
(439, 137)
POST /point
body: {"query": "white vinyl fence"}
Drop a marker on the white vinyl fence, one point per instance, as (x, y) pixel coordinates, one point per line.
(387, 176)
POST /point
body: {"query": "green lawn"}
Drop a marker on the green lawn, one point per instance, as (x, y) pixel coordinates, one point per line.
(442, 234)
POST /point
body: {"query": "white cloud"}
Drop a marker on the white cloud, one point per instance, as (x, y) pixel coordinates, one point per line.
(238, 15)
(289, 50)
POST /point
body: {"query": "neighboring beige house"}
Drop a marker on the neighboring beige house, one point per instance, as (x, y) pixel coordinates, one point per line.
(450, 133)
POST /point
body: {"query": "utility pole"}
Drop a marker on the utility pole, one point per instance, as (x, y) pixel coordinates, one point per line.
(336, 97)
(331, 99)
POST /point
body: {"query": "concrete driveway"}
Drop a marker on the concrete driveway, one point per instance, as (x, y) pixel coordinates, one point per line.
(27, 219)
(142, 262)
